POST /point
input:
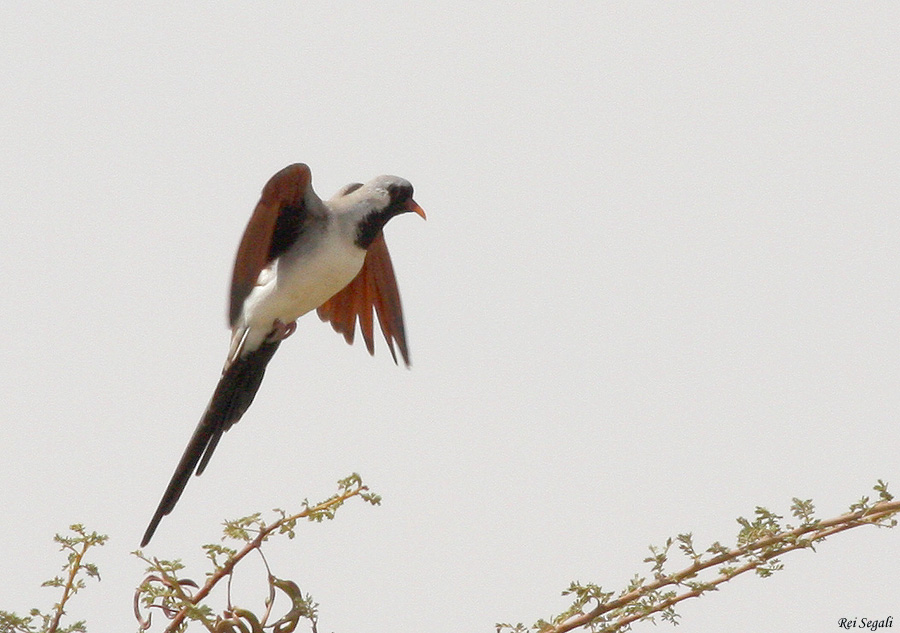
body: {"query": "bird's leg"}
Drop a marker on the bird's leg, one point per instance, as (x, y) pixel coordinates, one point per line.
(280, 331)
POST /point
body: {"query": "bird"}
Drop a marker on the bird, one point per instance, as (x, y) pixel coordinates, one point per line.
(298, 254)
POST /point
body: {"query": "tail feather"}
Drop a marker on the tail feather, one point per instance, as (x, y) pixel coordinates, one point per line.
(232, 397)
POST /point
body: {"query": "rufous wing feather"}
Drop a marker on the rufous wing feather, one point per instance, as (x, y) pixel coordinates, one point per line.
(287, 188)
(374, 288)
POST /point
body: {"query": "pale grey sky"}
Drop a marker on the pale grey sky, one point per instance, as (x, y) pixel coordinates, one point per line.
(659, 285)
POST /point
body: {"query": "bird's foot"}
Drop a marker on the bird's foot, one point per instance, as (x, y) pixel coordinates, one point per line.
(280, 331)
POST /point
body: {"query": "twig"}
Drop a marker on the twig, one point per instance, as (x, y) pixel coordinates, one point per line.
(254, 544)
(817, 530)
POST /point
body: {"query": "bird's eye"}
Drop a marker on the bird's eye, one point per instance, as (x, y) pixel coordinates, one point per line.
(400, 192)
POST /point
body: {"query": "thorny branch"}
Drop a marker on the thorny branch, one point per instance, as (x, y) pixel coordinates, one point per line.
(349, 488)
(760, 552)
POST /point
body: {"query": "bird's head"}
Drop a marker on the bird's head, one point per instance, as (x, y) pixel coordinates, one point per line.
(371, 205)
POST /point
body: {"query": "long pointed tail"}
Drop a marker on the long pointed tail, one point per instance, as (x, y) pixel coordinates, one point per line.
(233, 396)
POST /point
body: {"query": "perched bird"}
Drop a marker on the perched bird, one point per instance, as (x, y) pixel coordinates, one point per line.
(299, 254)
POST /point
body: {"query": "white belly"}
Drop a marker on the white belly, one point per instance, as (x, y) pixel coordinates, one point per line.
(301, 281)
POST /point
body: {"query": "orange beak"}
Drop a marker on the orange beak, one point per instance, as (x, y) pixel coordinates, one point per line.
(415, 208)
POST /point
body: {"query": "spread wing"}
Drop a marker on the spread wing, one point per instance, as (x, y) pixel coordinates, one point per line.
(374, 287)
(279, 218)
